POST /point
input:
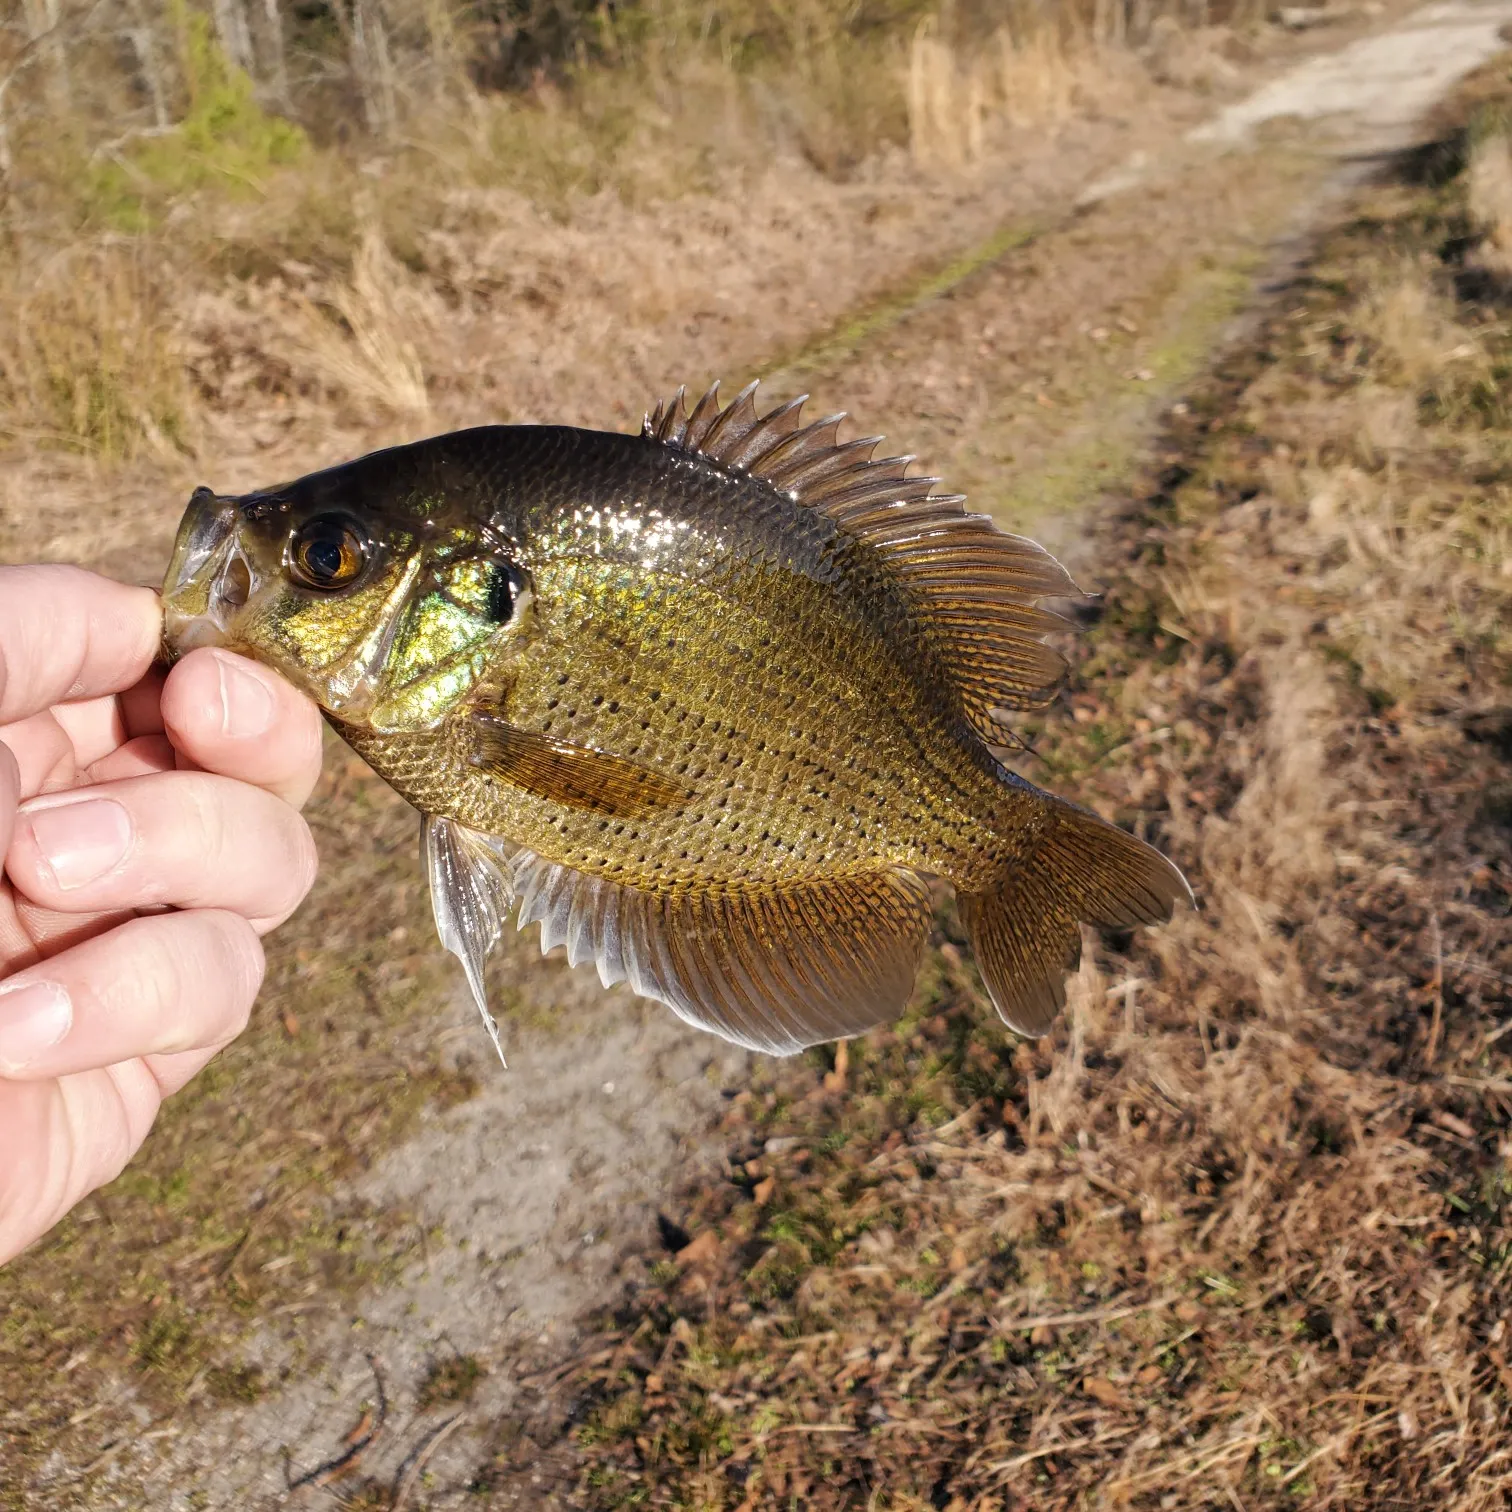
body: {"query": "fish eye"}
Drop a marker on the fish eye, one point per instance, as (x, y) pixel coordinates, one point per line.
(327, 552)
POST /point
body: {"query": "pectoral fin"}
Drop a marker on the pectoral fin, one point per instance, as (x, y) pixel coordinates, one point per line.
(575, 775)
(471, 893)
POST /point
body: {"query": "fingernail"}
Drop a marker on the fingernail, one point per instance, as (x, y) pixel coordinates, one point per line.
(34, 1016)
(247, 706)
(80, 840)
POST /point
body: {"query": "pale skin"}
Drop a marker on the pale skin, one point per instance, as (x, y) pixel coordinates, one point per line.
(151, 835)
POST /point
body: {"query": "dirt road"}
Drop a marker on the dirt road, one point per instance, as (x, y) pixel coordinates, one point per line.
(509, 1208)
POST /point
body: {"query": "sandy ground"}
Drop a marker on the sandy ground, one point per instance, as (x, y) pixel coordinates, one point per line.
(543, 1189)
(546, 1185)
(1376, 89)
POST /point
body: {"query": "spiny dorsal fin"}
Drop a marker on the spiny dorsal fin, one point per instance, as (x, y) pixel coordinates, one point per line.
(976, 587)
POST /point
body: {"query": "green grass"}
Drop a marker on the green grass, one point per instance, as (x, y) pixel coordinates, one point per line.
(830, 349)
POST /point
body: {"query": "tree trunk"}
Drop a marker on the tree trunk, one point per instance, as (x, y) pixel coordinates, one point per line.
(373, 68)
(144, 45)
(7, 161)
(232, 32)
(388, 103)
(445, 55)
(276, 46)
(362, 66)
(44, 20)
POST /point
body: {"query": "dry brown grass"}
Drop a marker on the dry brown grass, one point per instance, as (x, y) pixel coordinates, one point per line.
(357, 342)
(1489, 202)
(963, 97)
(202, 197)
(88, 356)
(576, 317)
(1240, 1233)
(571, 308)
(960, 99)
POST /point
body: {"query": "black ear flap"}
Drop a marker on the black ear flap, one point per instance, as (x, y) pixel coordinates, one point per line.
(505, 584)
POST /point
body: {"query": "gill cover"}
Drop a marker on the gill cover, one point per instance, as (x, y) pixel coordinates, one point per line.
(463, 603)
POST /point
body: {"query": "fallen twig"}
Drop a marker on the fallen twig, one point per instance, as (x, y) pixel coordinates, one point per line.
(414, 1463)
(368, 1428)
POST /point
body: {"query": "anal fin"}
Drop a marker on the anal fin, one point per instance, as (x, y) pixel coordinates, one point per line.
(470, 895)
(770, 970)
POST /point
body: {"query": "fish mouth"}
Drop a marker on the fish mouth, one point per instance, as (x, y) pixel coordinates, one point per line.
(209, 578)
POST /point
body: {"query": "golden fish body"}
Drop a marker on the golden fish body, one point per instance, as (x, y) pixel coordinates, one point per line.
(708, 702)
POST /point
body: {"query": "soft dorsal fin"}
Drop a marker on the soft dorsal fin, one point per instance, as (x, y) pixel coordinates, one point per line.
(975, 586)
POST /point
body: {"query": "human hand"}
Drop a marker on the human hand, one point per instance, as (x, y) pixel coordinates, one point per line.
(150, 832)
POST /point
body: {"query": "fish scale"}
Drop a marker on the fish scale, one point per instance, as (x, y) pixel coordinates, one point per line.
(709, 704)
(778, 728)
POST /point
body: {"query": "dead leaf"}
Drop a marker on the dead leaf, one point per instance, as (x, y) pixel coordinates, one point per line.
(1101, 1389)
(834, 1081)
(697, 1251)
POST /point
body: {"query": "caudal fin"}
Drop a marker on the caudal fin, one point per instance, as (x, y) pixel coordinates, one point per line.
(1026, 933)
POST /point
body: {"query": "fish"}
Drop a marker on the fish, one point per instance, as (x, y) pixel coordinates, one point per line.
(711, 703)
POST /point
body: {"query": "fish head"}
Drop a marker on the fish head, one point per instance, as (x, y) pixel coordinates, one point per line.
(386, 609)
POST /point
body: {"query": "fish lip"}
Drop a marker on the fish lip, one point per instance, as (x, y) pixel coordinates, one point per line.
(209, 577)
(206, 523)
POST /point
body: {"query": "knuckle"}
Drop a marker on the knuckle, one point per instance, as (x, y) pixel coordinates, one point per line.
(203, 830)
(233, 967)
(253, 967)
(289, 866)
(159, 974)
(227, 844)
(197, 974)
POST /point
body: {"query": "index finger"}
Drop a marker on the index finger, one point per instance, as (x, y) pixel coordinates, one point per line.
(10, 796)
(67, 634)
